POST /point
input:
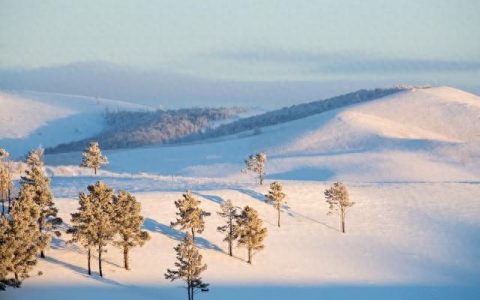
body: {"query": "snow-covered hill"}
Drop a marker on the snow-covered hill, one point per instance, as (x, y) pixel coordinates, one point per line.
(410, 161)
(31, 119)
(417, 135)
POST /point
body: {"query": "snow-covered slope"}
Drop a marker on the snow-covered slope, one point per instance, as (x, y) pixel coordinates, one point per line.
(413, 238)
(421, 134)
(31, 119)
(403, 241)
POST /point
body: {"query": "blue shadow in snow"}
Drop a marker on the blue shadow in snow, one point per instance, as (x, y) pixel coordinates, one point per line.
(82, 271)
(317, 174)
(213, 198)
(154, 226)
(251, 193)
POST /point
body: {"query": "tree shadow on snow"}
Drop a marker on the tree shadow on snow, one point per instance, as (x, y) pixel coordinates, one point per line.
(80, 270)
(251, 193)
(154, 226)
(213, 198)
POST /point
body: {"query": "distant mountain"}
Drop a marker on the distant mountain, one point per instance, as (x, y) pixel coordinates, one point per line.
(170, 90)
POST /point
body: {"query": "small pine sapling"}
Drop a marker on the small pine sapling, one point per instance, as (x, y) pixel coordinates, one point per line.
(256, 164)
(338, 201)
(230, 214)
(189, 266)
(128, 220)
(190, 214)
(276, 197)
(93, 158)
(250, 231)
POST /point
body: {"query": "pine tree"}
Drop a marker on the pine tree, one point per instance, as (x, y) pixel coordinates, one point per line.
(276, 197)
(93, 158)
(230, 214)
(189, 267)
(250, 231)
(6, 251)
(3, 154)
(339, 201)
(25, 236)
(129, 223)
(5, 185)
(35, 176)
(82, 229)
(256, 164)
(101, 197)
(190, 214)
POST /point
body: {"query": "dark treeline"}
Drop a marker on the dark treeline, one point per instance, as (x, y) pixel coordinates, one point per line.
(295, 112)
(126, 129)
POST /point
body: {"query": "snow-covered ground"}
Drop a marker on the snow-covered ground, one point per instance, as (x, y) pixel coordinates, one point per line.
(418, 135)
(33, 119)
(410, 161)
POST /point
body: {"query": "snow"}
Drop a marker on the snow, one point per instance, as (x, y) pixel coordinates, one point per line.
(410, 136)
(409, 160)
(32, 119)
(419, 238)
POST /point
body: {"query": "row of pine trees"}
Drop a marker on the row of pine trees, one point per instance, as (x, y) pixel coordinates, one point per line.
(106, 218)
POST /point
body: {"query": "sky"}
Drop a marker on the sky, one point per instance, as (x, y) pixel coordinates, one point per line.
(251, 40)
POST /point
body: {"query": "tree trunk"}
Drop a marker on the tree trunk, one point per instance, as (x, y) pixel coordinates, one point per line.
(95, 171)
(261, 180)
(343, 221)
(278, 219)
(125, 257)
(40, 228)
(230, 250)
(249, 255)
(188, 291)
(9, 200)
(100, 260)
(193, 235)
(89, 256)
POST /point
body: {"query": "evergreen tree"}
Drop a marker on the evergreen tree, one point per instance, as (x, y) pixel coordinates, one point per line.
(339, 201)
(104, 229)
(93, 158)
(43, 198)
(82, 229)
(250, 231)
(190, 214)
(129, 223)
(256, 164)
(189, 267)
(6, 251)
(229, 213)
(25, 236)
(276, 197)
(5, 185)
(3, 154)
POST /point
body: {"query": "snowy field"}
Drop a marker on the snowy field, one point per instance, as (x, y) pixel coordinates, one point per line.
(411, 162)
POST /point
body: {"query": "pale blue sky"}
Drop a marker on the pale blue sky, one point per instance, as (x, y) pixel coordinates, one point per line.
(247, 40)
